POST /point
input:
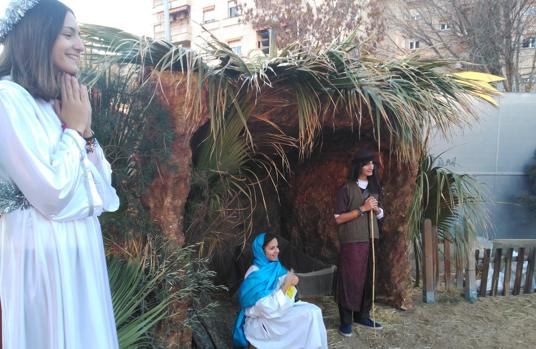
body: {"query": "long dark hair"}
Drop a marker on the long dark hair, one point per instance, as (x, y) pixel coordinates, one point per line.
(27, 54)
(267, 238)
(373, 181)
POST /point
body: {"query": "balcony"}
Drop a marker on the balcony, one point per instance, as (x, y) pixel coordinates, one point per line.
(180, 32)
(179, 20)
(174, 6)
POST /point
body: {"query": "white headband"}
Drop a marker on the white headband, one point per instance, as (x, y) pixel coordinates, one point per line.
(12, 12)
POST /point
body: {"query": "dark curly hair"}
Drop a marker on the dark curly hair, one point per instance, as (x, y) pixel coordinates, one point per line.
(358, 162)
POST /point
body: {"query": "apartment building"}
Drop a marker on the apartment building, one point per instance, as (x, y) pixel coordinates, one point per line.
(191, 19)
(222, 19)
(424, 27)
(410, 26)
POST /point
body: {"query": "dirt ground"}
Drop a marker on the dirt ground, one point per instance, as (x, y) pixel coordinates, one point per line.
(452, 322)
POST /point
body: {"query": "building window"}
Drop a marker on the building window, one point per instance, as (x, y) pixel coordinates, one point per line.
(209, 14)
(236, 46)
(444, 26)
(178, 13)
(414, 15)
(263, 40)
(233, 9)
(414, 44)
(529, 42)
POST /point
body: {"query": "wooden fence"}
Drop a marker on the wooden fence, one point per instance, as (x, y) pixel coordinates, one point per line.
(505, 255)
(508, 261)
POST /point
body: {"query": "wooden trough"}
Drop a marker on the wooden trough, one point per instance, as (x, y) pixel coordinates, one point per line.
(317, 283)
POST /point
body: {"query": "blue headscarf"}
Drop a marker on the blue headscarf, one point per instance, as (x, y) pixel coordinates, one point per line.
(257, 285)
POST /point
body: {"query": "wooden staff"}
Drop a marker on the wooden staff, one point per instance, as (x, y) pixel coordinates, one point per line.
(371, 223)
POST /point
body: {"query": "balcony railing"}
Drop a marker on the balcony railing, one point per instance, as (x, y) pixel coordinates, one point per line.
(158, 7)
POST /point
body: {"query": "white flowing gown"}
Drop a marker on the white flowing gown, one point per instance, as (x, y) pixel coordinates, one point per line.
(278, 322)
(54, 287)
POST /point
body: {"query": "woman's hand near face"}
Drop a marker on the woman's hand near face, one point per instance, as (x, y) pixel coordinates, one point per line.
(75, 110)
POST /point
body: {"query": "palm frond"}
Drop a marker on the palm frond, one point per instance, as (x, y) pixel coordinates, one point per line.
(456, 204)
(230, 169)
(403, 97)
(131, 285)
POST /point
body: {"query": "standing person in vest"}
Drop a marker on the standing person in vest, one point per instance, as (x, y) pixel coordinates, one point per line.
(355, 200)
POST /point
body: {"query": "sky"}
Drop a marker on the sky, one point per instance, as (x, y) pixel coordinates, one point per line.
(134, 16)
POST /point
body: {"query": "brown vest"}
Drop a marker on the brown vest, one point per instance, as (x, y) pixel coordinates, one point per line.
(356, 230)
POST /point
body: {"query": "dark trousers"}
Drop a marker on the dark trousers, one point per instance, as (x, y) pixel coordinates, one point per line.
(347, 315)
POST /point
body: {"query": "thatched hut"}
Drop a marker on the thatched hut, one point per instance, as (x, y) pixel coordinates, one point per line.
(265, 143)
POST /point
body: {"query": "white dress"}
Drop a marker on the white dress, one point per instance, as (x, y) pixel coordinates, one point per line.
(54, 287)
(278, 322)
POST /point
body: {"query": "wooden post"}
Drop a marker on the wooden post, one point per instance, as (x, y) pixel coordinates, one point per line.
(417, 264)
(530, 271)
(470, 282)
(496, 271)
(507, 271)
(485, 271)
(459, 271)
(477, 257)
(435, 249)
(519, 271)
(448, 278)
(428, 265)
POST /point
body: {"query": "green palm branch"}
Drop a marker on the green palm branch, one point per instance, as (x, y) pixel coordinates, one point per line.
(131, 285)
(404, 97)
(455, 203)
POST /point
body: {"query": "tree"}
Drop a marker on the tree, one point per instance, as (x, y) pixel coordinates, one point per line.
(316, 24)
(497, 35)
(529, 198)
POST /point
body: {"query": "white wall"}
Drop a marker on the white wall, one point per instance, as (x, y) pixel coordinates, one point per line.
(496, 150)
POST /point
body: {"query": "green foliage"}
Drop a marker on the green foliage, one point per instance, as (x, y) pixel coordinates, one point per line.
(134, 132)
(131, 283)
(146, 278)
(189, 275)
(145, 287)
(454, 202)
(404, 98)
(229, 170)
(529, 198)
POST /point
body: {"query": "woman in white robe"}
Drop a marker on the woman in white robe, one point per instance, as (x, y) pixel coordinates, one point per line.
(276, 320)
(54, 183)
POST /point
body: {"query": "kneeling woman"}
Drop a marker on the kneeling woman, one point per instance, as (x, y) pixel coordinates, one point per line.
(269, 317)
